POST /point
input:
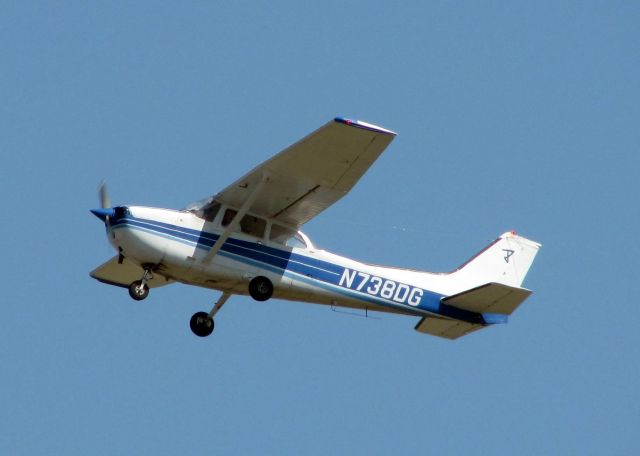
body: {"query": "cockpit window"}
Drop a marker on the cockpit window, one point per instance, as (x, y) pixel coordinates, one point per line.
(286, 236)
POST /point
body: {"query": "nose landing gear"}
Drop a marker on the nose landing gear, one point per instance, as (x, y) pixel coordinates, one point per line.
(139, 289)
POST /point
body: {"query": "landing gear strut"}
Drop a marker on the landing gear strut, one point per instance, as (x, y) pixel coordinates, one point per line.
(202, 323)
(139, 289)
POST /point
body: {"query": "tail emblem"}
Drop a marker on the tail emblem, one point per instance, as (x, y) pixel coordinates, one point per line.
(508, 254)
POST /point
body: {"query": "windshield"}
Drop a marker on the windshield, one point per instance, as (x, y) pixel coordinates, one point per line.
(205, 209)
(195, 205)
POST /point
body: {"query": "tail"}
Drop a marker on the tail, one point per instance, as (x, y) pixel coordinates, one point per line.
(486, 289)
(506, 260)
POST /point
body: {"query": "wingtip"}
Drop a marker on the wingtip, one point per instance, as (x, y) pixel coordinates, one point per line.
(364, 125)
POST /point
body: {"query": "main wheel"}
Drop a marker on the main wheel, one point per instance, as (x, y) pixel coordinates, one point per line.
(260, 288)
(201, 324)
(138, 291)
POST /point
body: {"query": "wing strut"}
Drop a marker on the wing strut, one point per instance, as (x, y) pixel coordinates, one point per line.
(236, 220)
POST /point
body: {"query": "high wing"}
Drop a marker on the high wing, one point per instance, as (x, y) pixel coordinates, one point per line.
(303, 180)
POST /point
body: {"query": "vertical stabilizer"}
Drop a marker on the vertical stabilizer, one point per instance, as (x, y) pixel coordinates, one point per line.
(506, 260)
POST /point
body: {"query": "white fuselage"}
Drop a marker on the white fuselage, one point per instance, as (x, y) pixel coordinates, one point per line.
(175, 244)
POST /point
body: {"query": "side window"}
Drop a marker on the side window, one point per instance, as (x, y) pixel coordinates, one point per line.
(286, 236)
(229, 214)
(296, 241)
(280, 234)
(253, 226)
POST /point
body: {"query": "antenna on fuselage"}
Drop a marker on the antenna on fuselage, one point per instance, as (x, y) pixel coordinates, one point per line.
(335, 307)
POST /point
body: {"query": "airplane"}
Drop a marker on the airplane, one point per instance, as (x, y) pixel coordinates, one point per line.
(246, 240)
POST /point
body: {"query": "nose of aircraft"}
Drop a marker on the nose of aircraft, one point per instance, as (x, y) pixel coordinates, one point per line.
(103, 213)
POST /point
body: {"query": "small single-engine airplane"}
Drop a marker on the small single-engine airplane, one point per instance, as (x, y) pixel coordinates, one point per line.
(246, 240)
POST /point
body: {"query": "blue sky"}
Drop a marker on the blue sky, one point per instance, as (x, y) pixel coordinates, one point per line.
(510, 115)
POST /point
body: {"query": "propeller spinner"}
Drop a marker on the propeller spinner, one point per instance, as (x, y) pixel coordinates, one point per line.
(105, 211)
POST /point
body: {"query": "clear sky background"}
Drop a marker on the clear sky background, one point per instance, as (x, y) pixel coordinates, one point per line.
(510, 116)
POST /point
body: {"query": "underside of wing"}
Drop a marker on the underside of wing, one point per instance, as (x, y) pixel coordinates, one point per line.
(122, 273)
(309, 176)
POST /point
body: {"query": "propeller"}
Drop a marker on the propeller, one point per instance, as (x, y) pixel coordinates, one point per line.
(105, 201)
(105, 211)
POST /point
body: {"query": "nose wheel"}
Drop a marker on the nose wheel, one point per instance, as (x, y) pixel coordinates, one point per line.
(139, 289)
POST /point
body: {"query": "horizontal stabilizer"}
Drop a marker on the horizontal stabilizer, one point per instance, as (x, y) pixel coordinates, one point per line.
(492, 298)
(122, 274)
(446, 327)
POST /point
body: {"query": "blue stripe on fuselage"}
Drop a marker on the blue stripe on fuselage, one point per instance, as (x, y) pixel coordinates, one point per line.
(283, 259)
(309, 270)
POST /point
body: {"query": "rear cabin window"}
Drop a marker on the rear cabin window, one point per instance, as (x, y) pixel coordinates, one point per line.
(286, 236)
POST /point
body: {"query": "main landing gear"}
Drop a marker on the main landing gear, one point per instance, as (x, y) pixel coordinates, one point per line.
(139, 289)
(202, 323)
(260, 288)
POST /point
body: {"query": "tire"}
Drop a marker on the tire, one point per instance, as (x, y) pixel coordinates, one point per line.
(260, 288)
(138, 292)
(201, 324)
